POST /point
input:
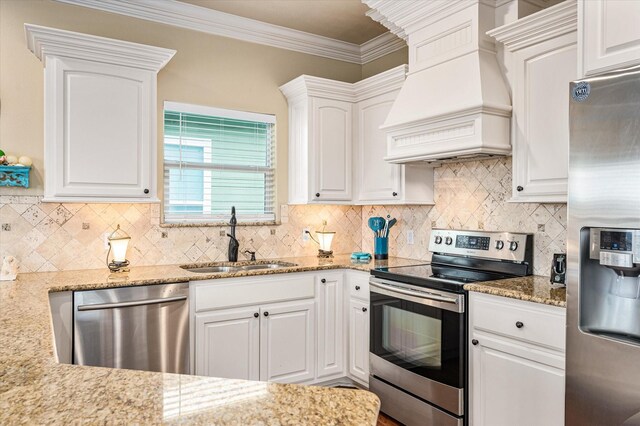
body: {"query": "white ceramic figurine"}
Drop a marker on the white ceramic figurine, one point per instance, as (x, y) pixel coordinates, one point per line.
(9, 269)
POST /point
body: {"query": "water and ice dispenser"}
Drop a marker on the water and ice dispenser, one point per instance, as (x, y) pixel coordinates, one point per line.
(610, 283)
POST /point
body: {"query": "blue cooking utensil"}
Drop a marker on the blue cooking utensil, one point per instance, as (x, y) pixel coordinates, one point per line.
(376, 224)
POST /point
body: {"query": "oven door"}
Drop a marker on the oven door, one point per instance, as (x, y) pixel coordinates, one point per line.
(417, 341)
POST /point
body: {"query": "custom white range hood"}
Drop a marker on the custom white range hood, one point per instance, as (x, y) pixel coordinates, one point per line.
(454, 103)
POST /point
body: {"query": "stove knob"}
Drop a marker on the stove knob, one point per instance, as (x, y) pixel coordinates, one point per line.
(448, 241)
(438, 239)
(499, 245)
(513, 245)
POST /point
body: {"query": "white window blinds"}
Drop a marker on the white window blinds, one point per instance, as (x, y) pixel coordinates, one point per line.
(214, 159)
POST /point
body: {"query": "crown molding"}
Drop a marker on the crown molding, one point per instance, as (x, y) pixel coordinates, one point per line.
(45, 42)
(319, 87)
(380, 46)
(538, 27)
(408, 16)
(202, 19)
(378, 84)
(307, 85)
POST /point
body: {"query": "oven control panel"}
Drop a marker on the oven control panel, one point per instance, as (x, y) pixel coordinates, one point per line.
(511, 246)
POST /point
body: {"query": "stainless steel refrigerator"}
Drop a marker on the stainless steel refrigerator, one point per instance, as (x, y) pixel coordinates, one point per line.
(603, 243)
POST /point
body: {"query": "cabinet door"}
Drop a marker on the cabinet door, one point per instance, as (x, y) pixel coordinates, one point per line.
(610, 34)
(330, 325)
(359, 340)
(514, 385)
(228, 344)
(331, 148)
(541, 124)
(100, 138)
(378, 180)
(287, 342)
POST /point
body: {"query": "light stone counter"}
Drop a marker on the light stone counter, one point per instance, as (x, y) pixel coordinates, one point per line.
(533, 288)
(35, 389)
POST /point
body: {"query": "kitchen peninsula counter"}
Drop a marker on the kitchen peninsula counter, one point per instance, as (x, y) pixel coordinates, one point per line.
(35, 388)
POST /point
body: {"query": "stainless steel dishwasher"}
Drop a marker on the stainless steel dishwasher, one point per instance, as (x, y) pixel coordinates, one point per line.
(139, 328)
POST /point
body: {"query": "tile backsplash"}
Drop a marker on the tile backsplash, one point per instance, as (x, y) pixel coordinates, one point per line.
(469, 195)
(473, 195)
(50, 237)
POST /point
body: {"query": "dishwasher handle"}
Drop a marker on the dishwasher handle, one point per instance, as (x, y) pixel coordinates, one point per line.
(99, 306)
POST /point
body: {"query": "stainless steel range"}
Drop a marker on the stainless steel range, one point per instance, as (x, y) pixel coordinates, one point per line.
(418, 345)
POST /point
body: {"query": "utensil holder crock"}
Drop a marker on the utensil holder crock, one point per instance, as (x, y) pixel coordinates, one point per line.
(381, 248)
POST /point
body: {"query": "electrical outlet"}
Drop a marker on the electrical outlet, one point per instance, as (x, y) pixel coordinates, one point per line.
(410, 237)
(305, 234)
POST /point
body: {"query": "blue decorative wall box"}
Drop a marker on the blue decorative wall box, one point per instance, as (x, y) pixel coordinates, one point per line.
(14, 176)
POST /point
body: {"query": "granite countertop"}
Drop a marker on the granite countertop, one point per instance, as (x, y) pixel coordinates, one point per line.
(533, 288)
(35, 388)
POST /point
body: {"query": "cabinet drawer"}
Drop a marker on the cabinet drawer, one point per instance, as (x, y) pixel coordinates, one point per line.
(230, 292)
(359, 285)
(535, 323)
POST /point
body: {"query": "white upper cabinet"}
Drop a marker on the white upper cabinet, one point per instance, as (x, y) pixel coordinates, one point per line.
(610, 35)
(541, 59)
(378, 181)
(100, 116)
(320, 140)
(331, 150)
(336, 147)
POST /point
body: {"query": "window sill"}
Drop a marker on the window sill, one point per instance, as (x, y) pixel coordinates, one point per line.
(216, 224)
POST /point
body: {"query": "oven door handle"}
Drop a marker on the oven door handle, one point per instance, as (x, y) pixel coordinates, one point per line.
(428, 297)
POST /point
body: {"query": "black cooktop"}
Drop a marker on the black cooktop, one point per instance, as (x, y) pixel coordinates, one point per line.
(438, 276)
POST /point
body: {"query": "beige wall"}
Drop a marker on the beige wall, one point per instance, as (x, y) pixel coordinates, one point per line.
(207, 70)
(387, 62)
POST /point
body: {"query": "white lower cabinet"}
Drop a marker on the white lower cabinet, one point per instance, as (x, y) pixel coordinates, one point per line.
(358, 316)
(359, 340)
(272, 342)
(290, 328)
(228, 343)
(516, 362)
(330, 325)
(287, 342)
(255, 328)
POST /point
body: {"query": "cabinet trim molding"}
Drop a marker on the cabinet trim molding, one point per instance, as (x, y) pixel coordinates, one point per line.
(538, 27)
(45, 42)
(307, 85)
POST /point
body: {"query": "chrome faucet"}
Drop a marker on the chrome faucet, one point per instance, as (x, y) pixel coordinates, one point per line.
(233, 242)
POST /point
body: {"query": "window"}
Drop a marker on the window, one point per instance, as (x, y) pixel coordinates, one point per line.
(215, 159)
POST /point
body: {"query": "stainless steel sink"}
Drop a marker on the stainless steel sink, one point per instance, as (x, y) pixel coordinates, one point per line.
(219, 269)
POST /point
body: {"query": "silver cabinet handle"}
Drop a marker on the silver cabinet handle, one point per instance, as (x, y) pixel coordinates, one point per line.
(129, 304)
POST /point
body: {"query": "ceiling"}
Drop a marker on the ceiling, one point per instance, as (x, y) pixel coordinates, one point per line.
(338, 19)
